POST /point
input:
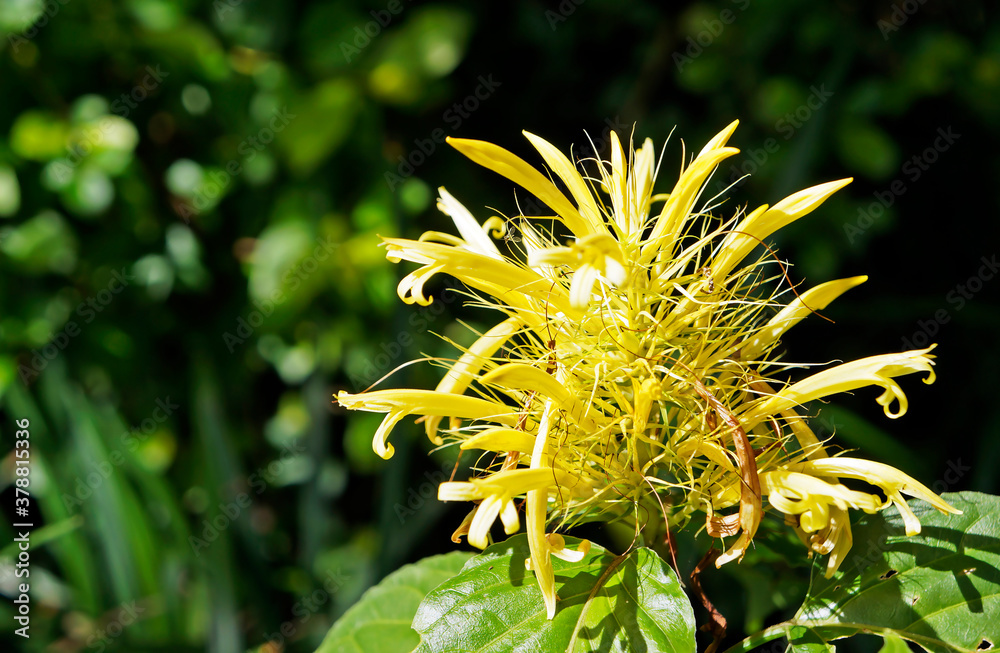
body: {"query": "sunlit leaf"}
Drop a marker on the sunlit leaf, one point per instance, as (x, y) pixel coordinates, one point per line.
(311, 129)
(606, 603)
(44, 243)
(10, 192)
(940, 589)
(380, 621)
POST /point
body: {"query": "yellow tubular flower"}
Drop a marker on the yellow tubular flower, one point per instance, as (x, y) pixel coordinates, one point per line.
(875, 370)
(761, 224)
(500, 439)
(400, 403)
(514, 168)
(537, 504)
(892, 481)
(471, 362)
(634, 361)
(814, 299)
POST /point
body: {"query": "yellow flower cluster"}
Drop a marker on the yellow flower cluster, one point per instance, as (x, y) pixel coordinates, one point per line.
(634, 367)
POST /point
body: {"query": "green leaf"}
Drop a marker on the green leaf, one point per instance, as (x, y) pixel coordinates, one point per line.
(44, 243)
(893, 644)
(940, 589)
(865, 147)
(380, 621)
(318, 123)
(10, 192)
(806, 640)
(607, 603)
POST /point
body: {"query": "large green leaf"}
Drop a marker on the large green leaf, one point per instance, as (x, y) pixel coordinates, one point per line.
(494, 605)
(893, 644)
(940, 589)
(806, 640)
(380, 621)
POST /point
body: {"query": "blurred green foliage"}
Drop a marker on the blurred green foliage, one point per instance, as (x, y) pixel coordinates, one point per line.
(190, 199)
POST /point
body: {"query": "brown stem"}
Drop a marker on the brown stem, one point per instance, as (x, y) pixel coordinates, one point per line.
(716, 622)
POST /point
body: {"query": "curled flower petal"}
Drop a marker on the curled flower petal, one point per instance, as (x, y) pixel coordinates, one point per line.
(561, 551)
(487, 513)
(411, 287)
(874, 370)
(476, 270)
(839, 535)
(399, 403)
(892, 481)
(511, 522)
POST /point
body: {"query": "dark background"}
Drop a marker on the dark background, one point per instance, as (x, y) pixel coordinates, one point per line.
(253, 442)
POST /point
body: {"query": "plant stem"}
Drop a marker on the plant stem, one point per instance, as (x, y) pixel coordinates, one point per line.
(755, 640)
